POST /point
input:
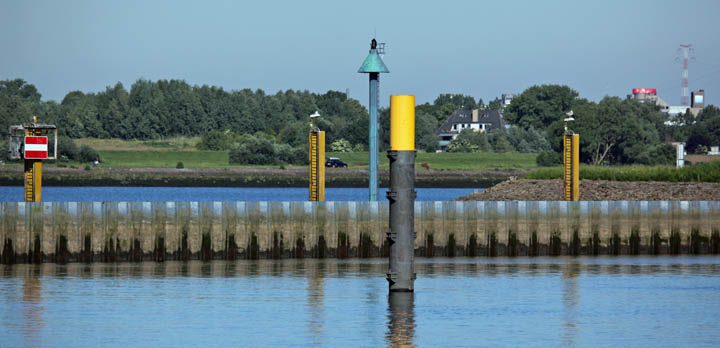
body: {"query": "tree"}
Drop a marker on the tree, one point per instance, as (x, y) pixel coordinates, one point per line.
(425, 127)
(295, 134)
(216, 141)
(66, 148)
(527, 141)
(19, 100)
(428, 143)
(500, 143)
(548, 158)
(479, 140)
(459, 101)
(254, 150)
(88, 154)
(539, 106)
(611, 130)
(461, 145)
(341, 145)
(706, 129)
(495, 104)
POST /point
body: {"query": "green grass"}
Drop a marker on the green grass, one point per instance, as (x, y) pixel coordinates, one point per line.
(219, 159)
(166, 153)
(165, 159)
(163, 144)
(448, 161)
(705, 172)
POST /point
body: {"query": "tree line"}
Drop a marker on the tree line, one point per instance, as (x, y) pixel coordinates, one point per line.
(170, 108)
(613, 130)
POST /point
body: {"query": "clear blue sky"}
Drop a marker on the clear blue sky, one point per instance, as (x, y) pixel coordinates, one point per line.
(479, 48)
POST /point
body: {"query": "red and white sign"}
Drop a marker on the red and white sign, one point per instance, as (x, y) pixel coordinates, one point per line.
(36, 147)
(644, 91)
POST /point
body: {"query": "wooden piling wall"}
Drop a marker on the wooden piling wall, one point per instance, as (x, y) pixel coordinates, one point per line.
(158, 231)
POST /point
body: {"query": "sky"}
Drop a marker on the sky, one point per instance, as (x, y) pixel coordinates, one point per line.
(478, 48)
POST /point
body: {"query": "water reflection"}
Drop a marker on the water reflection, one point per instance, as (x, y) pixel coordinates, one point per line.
(437, 267)
(32, 309)
(316, 296)
(570, 299)
(401, 319)
(341, 303)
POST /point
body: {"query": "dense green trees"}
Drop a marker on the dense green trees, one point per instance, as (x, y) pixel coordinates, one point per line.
(704, 130)
(514, 139)
(539, 106)
(169, 108)
(612, 131)
(262, 149)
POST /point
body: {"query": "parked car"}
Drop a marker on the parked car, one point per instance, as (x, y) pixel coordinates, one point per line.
(335, 162)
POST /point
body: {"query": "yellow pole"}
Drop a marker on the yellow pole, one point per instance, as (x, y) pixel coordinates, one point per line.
(33, 174)
(316, 175)
(321, 167)
(37, 168)
(576, 167)
(571, 167)
(567, 192)
(312, 169)
(402, 122)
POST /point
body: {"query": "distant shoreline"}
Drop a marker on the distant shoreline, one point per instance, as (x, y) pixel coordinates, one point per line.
(246, 177)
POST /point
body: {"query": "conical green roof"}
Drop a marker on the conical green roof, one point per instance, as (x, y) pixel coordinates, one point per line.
(373, 63)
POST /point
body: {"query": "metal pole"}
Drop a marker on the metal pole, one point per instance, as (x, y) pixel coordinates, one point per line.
(402, 193)
(373, 165)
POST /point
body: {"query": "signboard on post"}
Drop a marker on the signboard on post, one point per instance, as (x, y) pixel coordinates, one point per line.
(36, 147)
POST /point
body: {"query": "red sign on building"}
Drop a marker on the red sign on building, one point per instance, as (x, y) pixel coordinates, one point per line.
(36, 147)
(644, 91)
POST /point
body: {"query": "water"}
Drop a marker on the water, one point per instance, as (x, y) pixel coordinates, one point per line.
(659, 302)
(207, 194)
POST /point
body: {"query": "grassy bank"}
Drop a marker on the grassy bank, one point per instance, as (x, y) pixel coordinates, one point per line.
(164, 159)
(359, 160)
(166, 153)
(241, 177)
(706, 172)
(166, 144)
(449, 161)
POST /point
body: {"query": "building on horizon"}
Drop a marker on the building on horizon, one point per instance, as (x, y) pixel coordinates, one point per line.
(644, 95)
(479, 121)
(506, 99)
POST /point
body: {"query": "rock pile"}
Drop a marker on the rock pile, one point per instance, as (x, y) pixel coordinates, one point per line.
(600, 190)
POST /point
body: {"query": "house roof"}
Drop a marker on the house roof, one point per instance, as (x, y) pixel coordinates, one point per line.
(492, 117)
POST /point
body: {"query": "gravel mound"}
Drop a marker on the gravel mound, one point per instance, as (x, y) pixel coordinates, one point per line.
(598, 190)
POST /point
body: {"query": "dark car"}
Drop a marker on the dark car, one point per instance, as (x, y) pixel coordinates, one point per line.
(335, 162)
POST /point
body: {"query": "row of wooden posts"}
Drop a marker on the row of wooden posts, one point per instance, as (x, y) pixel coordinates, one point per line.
(137, 231)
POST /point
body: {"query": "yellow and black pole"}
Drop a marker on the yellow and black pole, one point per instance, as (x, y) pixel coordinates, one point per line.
(29, 142)
(317, 160)
(571, 163)
(33, 172)
(402, 193)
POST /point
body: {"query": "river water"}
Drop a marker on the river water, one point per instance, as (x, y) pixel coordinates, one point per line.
(217, 194)
(546, 302)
